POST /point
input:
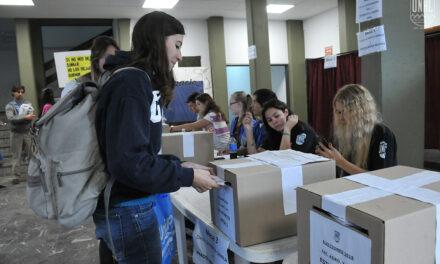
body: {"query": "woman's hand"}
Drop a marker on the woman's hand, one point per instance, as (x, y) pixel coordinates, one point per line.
(330, 152)
(203, 181)
(292, 120)
(247, 121)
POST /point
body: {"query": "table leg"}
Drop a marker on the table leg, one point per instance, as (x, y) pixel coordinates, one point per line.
(240, 260)
(179, 225)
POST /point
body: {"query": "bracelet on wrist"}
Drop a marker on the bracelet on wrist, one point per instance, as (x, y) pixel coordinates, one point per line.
(286, 134)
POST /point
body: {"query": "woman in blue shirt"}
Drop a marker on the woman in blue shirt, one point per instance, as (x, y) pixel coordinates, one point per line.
(240, 104)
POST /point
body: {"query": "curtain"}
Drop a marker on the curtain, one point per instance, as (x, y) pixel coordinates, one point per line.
(432, 91)
(322, 85)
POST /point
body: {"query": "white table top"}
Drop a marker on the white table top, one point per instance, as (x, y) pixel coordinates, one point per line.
(194, 205)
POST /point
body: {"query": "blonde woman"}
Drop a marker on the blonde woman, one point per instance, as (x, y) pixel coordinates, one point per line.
(362, 141)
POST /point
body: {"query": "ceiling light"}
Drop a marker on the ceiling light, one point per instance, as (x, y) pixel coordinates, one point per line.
(17, 2)
(277, 9)
(160, 4)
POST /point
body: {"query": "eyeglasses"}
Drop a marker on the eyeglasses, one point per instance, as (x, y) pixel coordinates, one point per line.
(231, 103)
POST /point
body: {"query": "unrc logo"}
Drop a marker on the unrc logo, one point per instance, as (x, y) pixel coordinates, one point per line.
(419, 10)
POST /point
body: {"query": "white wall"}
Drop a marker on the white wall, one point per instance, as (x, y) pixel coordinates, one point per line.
(432, 13)
(236, 42)
(195, 42)
(321, 31)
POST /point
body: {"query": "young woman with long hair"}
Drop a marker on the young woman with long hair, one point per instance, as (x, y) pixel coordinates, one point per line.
(362, 141)
(129, 129)
(212, 120)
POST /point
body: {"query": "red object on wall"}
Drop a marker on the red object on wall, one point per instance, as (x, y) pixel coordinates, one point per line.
(322, 85)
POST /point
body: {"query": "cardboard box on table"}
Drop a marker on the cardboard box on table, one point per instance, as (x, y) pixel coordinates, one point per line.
(165, 128)
(250, 209)
(194, 146)
(344, 221)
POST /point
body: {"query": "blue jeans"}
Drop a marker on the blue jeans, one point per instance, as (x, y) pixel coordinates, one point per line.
(135, 233)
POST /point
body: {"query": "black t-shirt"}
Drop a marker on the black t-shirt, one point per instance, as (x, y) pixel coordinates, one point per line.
(383, 148)
(302, 137)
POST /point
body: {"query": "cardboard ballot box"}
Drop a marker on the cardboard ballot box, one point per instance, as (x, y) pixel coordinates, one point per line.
(258, 204)
(194, 146)
(384, 216)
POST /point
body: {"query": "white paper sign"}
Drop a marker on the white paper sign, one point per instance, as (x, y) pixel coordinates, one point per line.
(330, 61)
(367, 10)
(252, 52)
(224, 216)
(371, 40)
(188, 145)
(71, 65)
(209, 246)
(291, 178)
(333, 243)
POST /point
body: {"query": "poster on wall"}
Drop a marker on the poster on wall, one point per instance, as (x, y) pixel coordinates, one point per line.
(203, 74)
(178, 111)
(330, 61)
(71, 65)
(371, 40)
(367, 10)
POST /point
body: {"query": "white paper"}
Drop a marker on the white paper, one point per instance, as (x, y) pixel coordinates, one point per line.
(188, 145)
(209, 246)
(333, 243)
(367, 10)
(371, 40)
(224, 211)
(25, 109)
(62, 67)
(330, 61)
(252, 52)
(291, 178)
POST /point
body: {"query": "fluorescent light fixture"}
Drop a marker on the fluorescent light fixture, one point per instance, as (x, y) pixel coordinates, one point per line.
(277, 9)
(17, 2)
(160, 4)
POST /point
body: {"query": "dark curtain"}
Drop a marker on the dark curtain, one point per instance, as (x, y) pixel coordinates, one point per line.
(322, 85)
(432, 91)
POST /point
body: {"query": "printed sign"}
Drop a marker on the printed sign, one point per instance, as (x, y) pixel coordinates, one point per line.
(333, 243)
(71, 65)
(368, 10)
(371, 40)
(328, 51)
(252, 52)
(224, 210)
(209, 246)
(330, 61)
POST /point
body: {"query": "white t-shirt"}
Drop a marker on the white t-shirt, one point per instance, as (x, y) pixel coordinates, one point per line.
(220, 130)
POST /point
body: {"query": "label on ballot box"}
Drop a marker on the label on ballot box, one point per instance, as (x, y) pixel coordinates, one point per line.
(333, 243)
(209, 246)
(225, 218)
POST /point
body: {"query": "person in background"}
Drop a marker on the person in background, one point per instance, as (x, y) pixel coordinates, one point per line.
(102, 47)
(362, 141)
(129, 130)
(285, 131)
(20, 115)
(47, 100)
(255, 133)
(246, 133)
(191, 103)
(213, 120)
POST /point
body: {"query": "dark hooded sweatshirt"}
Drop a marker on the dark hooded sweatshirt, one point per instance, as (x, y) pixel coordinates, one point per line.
(129, 128)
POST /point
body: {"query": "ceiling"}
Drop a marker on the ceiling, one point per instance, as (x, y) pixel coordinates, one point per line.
(185, 9)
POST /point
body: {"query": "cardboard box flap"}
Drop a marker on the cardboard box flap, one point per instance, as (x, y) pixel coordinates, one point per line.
(183, 133)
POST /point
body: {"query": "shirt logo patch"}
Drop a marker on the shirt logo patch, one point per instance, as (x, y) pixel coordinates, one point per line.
(383, 149)
(155, 109)
(300, 139)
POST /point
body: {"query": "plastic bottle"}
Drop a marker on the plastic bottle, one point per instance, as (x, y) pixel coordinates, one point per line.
(232, 148)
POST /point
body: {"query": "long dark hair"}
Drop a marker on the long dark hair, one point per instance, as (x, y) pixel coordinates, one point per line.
(264, 95)
(149, 51)
(99, 47)
(277, 104)
(46, 98)
(211, 106)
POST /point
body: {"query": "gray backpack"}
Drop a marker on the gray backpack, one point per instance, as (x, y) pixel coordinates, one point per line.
(66, 173)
